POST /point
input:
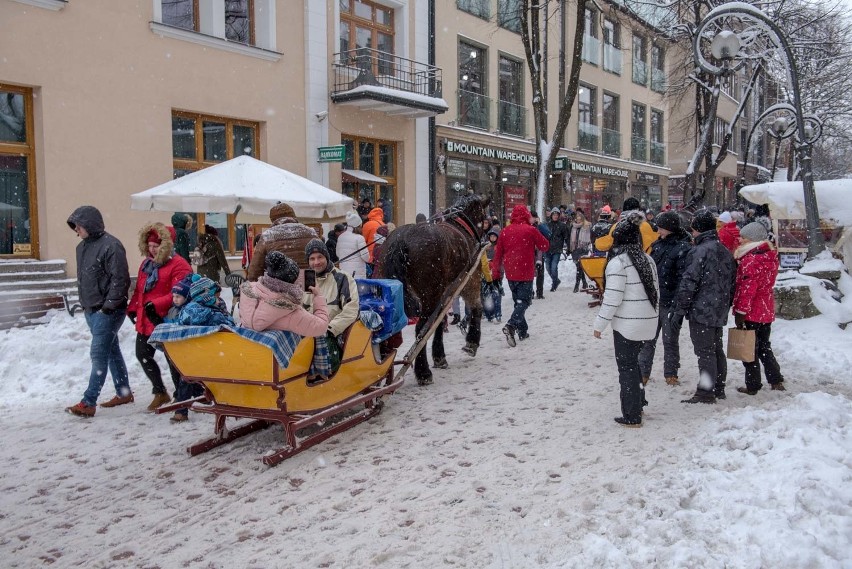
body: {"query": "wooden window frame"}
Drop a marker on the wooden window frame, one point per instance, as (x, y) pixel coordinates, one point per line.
(251, 18)
(196, 22)
(26, 149)
(350, 21)
(199, 163)
(391, 180)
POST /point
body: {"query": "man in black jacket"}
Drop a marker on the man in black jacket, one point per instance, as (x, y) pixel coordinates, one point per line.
(103, 281)
(704, 296)
(669, 253)
(558, 237)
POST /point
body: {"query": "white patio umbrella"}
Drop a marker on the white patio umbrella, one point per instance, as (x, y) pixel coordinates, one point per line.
(248, 185)
(787, 201)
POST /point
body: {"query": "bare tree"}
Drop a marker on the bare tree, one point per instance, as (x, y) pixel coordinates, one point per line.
(535, 26)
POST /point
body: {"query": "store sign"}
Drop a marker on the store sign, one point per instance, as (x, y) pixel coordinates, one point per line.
(492, 153)
(512, 196)
(599, 170)
(456, 168)
(647, 178)
(560, 164)
(331, 153)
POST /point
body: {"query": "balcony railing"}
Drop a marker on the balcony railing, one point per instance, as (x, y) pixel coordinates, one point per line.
(640, 72)
(511, 119)
(474, 109)
(588, 137)
(658, 80)
(611, 142)
(591, 50)
(612, 58)
(639, 149)
(658, 153)
(365, 66)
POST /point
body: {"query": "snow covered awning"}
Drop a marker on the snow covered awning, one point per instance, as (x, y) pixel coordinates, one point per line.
(361, 176)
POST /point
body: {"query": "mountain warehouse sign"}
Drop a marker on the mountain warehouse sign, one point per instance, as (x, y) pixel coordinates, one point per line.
(599, 170)
(493, 153)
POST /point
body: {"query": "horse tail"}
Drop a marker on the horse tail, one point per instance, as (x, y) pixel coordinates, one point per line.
(394, 263)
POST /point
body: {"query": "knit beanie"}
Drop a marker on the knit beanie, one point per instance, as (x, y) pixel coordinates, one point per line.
(316, 246)
(182, 287)
(725, 217)
(606, 211)
(668, 220)
(154, 237)
(353, 219)
(703, 221)
(203, 291)
(556, 210)
(754, 231)
(630, 203)
(280, 266)
(281, 210)
(627, 230)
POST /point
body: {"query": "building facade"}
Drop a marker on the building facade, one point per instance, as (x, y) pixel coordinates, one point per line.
(102, 99)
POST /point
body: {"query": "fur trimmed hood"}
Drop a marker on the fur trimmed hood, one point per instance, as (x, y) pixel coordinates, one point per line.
(167, 246)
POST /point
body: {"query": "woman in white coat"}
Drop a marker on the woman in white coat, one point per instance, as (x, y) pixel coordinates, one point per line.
(630, 304)
(352, 248)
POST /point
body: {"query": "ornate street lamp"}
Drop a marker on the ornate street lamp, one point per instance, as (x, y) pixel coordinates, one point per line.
(739, 32)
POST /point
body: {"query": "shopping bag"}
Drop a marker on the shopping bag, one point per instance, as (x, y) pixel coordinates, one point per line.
(741, 344)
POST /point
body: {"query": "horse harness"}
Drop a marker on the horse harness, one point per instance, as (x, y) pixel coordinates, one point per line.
(462, 221)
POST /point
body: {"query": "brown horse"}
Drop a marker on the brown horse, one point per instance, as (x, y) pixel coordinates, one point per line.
(427, 258)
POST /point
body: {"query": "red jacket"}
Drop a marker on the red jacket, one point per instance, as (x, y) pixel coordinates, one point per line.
(516, 247)
(729, 235)
(756, 272)
(172, 271)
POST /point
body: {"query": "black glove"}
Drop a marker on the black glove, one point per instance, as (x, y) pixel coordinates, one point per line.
(151, 313)
(132, 317)
(108, 311)
(739, 320)
(676, 319)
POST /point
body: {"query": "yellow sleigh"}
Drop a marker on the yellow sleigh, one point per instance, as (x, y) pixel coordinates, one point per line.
(242, 379)
(594, 268)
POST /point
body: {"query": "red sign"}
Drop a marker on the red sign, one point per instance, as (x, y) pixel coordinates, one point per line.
(512, 196)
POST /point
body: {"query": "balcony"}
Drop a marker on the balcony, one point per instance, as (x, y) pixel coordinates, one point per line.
(474, 109)
(588, 137)
(658, 153)
(658, 80)
(511, 119)
(611, 142)
(612, 59)
(591, 50)
(639, 149)
(640, 72)
(378, 81)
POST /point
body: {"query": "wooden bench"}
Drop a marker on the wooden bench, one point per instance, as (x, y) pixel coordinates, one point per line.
(24, 310)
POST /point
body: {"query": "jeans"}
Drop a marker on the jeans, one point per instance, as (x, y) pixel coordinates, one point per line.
(145, 354)
(763, 355)
(105, 353)
(629, 377)
(551, 263)
(671, 346)
(712, 364)
(522, 292)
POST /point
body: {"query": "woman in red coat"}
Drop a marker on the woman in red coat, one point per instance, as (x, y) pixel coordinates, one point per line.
(754, 303)
(159, 272)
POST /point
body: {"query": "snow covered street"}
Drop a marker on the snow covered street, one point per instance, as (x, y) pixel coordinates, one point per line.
(510, 460)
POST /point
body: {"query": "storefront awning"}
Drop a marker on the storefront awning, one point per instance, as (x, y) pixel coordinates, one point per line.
(361, 176)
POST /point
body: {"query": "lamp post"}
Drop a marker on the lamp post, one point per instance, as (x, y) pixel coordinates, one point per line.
(755, 35)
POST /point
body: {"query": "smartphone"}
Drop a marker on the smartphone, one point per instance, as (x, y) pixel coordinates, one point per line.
(310, 278)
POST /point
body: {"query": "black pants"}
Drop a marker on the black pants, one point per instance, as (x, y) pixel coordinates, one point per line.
(145, 354)
(629, 376)
(763, 355)
(539, 280)
(712, 365)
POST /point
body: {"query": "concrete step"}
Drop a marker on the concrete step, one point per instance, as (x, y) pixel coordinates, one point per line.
(39, 286)
(30, 266)
(32, 276)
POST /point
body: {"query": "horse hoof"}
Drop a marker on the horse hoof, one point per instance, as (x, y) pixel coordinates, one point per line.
(470, 349)
(440, 363)
(424, 380)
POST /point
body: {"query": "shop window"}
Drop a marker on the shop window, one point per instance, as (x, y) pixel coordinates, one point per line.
(17, 172)
(479, 8)
(200, 141)
(367, 35)
(378, 158)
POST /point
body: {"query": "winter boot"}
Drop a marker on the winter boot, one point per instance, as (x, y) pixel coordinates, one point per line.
(747, 391)
(779, 386)
(81, 410)
(645, 379)
(118, 400)
(509, 332)
(628, 424)
(179, 417)
(701, 398)
(672, 380)
(159, 400)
